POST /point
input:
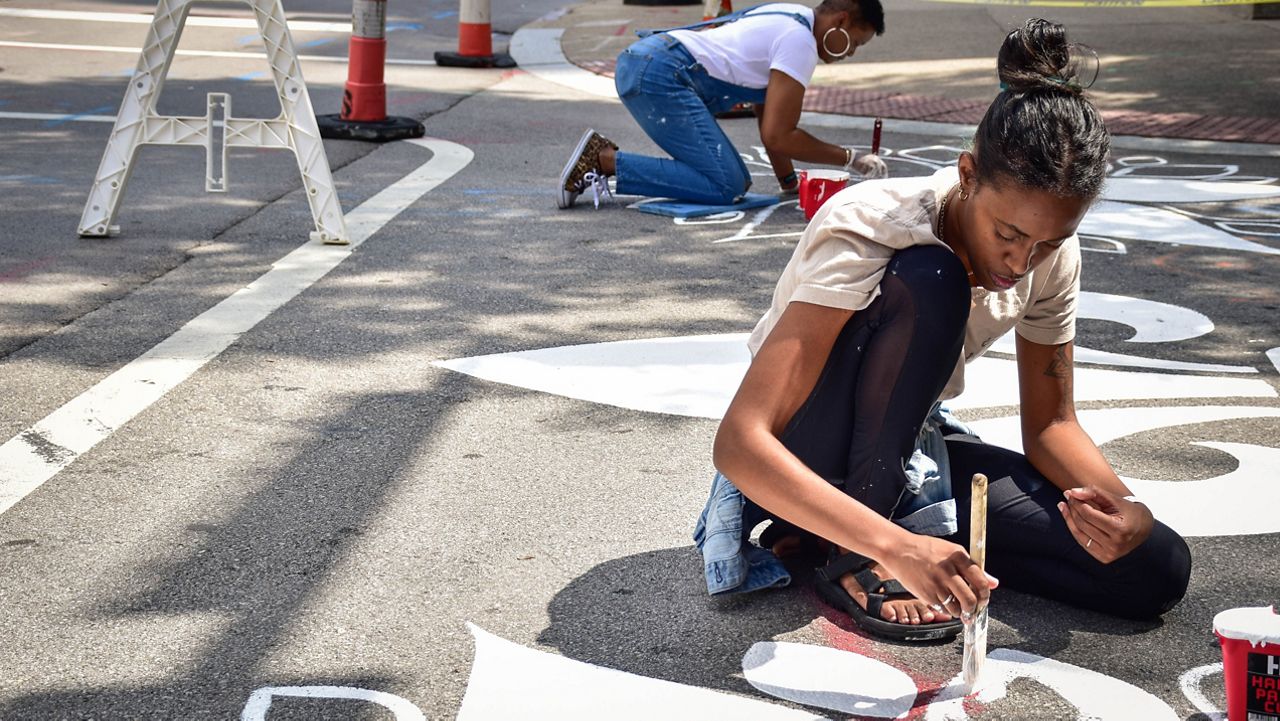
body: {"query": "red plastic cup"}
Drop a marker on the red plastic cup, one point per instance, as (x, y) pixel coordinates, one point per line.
(817, 187)
(1250, 639)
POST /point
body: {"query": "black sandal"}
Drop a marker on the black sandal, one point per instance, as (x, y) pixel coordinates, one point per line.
(810, 547)
(827, 583)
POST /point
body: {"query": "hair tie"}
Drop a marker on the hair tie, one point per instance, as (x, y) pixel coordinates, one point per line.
(1082, 55)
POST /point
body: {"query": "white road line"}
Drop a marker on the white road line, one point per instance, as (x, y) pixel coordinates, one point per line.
(143, 19)
(65, 117)
(198, 53)
(38, 453)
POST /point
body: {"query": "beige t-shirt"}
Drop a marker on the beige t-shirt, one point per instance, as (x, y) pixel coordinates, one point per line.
(844, 250)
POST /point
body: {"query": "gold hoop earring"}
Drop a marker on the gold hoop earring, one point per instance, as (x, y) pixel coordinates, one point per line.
(848, 43)
(963, 195)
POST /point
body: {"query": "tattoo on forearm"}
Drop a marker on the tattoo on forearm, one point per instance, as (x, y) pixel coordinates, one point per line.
(1060, 365)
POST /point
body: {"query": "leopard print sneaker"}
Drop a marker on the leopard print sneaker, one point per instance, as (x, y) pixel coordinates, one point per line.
(581, 172)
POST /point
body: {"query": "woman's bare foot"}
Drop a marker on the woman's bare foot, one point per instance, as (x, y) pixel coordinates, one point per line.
(910, 611)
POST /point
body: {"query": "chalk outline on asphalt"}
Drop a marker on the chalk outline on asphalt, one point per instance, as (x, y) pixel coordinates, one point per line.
(39, 452)
(537, 51)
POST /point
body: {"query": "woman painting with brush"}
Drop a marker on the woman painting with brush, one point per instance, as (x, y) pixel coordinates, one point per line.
(674, 82)
(835, 432)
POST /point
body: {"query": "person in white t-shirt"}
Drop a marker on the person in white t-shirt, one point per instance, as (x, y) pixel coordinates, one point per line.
(674, 82)
(893, 288)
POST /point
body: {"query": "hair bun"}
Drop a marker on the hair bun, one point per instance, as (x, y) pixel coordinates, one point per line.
(1038, 56)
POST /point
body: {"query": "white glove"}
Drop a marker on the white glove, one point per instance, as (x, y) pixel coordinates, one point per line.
(868, 165)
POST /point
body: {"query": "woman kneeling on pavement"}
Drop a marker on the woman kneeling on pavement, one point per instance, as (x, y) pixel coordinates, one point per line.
(836, 433)
(674, 82)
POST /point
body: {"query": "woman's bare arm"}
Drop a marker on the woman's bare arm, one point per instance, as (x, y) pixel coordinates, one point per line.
(748, 452)
(1094, 505)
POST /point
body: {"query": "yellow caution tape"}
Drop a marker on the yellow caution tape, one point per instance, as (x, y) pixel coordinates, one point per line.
(1112, 3)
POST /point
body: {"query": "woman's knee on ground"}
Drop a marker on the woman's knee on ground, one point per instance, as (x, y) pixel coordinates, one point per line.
(733, 183)
(1159, 571)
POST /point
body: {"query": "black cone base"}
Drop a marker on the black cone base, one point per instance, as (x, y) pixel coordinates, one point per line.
(458, 60)
(373, 131)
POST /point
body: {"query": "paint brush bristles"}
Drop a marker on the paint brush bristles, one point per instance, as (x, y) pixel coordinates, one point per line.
(975, 632)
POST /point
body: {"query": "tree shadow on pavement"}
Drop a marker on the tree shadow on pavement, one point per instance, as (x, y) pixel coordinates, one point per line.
(649, 614)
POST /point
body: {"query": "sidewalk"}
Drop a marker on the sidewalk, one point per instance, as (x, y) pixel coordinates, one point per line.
(1191, 73)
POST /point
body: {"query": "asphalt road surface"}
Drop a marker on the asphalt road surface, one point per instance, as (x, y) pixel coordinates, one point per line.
(255, 477)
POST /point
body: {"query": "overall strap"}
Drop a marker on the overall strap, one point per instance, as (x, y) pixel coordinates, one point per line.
(726, 19)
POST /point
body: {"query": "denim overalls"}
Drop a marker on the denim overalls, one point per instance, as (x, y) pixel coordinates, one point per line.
(675, 101)
(732, 564)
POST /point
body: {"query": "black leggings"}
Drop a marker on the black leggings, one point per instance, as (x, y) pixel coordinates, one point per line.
(858, 428)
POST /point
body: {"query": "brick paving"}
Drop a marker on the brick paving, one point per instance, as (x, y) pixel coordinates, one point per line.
(871, 103)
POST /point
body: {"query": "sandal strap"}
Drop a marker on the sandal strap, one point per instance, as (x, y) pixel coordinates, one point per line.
(847, 563)
(860, 567)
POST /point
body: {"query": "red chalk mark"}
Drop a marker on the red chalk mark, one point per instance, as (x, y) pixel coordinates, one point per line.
(21, 271)
(841, 633)
(622, 30)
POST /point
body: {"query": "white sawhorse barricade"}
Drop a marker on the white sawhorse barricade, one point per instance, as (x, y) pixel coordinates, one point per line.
(137, 124)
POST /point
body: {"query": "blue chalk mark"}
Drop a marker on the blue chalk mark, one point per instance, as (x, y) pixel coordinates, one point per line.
(30, 179)
(392, 27)
(248, 39)
(444, 14)
(315, 43)
(255, 75)
(75, 116)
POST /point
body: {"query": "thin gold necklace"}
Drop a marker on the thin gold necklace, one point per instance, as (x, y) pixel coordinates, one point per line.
(942, 213)
(942, 219)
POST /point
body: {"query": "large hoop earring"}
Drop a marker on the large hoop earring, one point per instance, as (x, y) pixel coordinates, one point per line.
(848, 43)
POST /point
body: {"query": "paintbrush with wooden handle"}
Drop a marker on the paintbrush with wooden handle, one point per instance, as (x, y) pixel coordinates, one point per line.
(975, 632)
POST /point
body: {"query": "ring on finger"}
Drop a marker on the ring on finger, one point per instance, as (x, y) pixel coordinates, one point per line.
(1088, 543)
(940, 606)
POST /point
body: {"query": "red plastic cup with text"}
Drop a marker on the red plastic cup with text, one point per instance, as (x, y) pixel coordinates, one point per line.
(1250, 639)
(817, 187)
